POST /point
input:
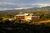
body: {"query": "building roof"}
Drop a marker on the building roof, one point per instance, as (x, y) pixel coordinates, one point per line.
(22, 14)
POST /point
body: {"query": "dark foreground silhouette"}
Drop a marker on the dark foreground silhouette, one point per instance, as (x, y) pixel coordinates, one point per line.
(8, 27)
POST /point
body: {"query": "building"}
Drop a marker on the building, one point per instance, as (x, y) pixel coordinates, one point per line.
(24, 16)
(35, 18)
(20, 17)
(27, 17)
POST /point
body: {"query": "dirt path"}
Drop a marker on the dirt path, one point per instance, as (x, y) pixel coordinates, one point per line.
(46, 21)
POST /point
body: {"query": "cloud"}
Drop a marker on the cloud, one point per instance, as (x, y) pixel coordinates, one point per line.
(7, 3)
(41, 4)
(23, 4)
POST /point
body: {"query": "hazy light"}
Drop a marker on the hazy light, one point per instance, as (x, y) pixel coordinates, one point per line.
(42, 4)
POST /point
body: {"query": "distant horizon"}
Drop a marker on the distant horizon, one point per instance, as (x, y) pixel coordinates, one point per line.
(20, 8)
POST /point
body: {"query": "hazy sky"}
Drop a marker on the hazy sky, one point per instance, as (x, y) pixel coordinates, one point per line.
(23, 3)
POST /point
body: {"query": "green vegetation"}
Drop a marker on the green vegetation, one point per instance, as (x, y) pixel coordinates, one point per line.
(43, 12)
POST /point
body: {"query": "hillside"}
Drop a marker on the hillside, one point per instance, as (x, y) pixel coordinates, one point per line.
(36, 10)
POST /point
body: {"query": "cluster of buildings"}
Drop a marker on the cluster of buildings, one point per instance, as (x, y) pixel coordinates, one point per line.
(27, 17)
(24, 17)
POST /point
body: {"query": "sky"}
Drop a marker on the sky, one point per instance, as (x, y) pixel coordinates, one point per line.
(20, 4)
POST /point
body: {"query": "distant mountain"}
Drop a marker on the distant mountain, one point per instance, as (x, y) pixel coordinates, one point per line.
(14, 11)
